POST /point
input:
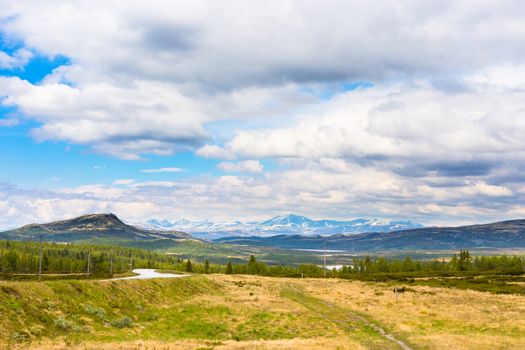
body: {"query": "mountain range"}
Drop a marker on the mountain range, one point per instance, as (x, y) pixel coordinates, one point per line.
(280, 225)
(498, 235)
(88, 227)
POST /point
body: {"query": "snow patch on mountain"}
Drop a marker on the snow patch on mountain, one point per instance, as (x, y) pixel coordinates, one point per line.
(287, 224)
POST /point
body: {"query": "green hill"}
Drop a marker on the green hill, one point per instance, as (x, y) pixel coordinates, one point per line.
(93, 226)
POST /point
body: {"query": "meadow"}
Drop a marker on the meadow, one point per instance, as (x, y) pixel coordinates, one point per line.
(220, 311)
(376, 302)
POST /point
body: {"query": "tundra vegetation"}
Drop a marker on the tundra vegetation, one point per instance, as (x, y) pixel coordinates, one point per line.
(462, 302)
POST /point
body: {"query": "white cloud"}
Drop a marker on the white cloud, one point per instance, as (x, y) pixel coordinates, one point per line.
(306, 188)
(192, 42)
(123, 182)
(113, 120)
(164, 170)
(250, 166)
(150, 78)
(8, 122)
(488, 190)
(18, 59)
(401, 125)
(214, 152)
(439, 130)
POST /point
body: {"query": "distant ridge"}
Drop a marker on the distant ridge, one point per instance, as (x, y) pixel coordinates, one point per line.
(88, 227)
(498, 235)
(290, 224)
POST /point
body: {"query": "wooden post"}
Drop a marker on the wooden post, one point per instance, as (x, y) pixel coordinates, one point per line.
(40, 260)
(395, 293)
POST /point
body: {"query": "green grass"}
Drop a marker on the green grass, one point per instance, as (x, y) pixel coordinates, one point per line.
(501, 284)
(211, 308)
(121, 311)
(488, 281)
(89, 310)
(58, 276)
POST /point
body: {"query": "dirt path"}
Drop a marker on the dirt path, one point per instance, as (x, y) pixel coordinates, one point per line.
(344, 318)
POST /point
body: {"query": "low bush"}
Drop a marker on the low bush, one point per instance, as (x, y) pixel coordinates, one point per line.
(122, 322)
(97, 312)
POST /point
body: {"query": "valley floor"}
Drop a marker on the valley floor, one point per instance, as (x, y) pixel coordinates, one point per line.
(253, 312)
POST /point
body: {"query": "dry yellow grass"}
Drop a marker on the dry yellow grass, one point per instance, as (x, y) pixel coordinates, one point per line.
(434, 318)
(341, 343)
(424, 317)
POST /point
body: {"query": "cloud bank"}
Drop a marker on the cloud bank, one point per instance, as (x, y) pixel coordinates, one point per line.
(402, 109)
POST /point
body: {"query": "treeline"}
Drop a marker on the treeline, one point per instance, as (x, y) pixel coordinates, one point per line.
(462, 262)
(58, 258)
(23, 258)
(459, 264)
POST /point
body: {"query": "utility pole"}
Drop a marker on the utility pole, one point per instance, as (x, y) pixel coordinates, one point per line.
(111, 263)
(40, 260)
(89, 261)
(324, 258)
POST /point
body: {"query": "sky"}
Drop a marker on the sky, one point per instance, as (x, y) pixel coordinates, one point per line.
(238, 110)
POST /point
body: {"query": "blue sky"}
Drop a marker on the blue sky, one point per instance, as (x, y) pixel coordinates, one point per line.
(399, 111)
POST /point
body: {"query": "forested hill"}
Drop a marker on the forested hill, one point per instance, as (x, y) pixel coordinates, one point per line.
(505, 234)
(88, 227)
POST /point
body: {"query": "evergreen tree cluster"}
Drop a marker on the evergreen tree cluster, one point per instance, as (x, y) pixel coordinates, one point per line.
(457, 264)
(23, 258)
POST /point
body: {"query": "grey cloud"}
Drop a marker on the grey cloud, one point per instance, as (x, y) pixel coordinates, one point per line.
(271, 43)
(169, 37)
(418, 168)
(462, 168)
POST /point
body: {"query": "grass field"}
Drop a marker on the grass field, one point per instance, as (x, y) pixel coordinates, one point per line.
(253, 312)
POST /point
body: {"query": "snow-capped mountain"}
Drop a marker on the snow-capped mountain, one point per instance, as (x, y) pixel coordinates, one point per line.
(288, 224)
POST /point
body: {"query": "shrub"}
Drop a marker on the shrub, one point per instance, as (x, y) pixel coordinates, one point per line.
(50, 306)
(62, 323)
(98, 312)
(122, 322)
(20, 337)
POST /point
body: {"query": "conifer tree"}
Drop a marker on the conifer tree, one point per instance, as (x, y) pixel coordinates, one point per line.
(206, 266)
(252, 266)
